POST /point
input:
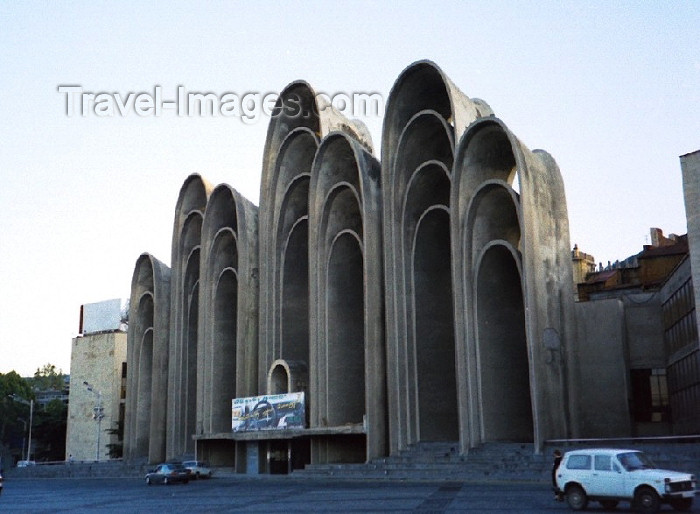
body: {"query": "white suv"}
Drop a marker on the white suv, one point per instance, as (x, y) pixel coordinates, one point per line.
(611, 475)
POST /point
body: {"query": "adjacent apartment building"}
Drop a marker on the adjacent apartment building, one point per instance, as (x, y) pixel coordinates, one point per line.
(98, 383)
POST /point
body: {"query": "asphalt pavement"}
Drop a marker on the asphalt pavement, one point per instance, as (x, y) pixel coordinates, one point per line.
(277, 494)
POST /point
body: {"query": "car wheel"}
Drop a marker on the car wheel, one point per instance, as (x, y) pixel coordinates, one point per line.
(166, 481)
(682, 504)
(576, 497)
(148, 480)
(609, 504)
(646, 500)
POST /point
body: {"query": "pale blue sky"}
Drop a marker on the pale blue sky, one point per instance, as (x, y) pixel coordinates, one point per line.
(610, 89)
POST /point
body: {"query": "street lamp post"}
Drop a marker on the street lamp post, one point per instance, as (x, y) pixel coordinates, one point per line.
(97, 416)
(31, 415)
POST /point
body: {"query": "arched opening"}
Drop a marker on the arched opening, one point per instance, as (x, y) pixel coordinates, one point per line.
(502, 346)
(345, 332)
(189, 349)
(279, 380)
(143, 411)
(436, 382)
(224, 358)
(295, 295)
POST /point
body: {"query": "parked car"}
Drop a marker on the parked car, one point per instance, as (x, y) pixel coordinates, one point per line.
(198, 468)
(609, 476)
(1, 483)
(168, 473)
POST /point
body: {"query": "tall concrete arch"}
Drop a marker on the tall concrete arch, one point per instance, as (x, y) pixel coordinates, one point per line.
(300, 118)
(348, 354)
(228, 322)
(147, 361)
(184, 326)
(513, 303)
(425, 113)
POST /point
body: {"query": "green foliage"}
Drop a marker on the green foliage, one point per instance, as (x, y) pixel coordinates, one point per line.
(48, 424)
(48, 378)
(11, 429)
(49, 431)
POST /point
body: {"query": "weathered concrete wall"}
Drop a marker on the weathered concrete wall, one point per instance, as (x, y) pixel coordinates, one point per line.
(299, 121)
(425, 113)
(147, 361)
(184, 316)
(429, 302)
(347, 324)
(690, 166)
(96, 359)
(598, 361)
(227, 353)
(513, 276)
(644, 330)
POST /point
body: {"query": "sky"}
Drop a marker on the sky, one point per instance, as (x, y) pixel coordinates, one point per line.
(610, 89)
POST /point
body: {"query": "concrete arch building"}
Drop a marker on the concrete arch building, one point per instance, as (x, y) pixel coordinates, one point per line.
(347, 327)
(512, 270)
(184, 326)
(228, 322)
(425, 114)
(300, 119)
(392, 295)
(147, 354)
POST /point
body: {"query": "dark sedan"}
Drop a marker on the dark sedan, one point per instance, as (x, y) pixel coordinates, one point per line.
(168, 473)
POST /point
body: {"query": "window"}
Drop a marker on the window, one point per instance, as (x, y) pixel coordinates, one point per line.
(579, 462)
(649, 395)
(602, 462)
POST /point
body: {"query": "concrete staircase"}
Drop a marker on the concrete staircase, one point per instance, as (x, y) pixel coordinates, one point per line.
(490, 462)
(442, 461)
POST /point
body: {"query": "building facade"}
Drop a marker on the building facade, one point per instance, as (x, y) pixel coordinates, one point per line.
(426, 297)
(98, 358)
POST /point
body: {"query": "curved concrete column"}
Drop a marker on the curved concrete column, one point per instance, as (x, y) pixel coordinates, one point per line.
(348, 355)
(147, 361)
(513, 301)
(184, 317)
(299, 120)
(425, 113)
(228, 320)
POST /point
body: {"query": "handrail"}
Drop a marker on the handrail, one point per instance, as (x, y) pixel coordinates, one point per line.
(661, 438)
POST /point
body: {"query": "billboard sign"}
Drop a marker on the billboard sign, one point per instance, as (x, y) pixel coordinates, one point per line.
(268, 412)
(100, 316)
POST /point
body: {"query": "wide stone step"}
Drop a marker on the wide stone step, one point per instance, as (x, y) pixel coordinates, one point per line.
(490, 462)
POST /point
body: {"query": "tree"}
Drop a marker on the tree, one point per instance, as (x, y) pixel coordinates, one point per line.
(47, 378)
(14, 415)
(50, 431)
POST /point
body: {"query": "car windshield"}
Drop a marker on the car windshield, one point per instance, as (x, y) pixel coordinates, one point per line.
(632, 461)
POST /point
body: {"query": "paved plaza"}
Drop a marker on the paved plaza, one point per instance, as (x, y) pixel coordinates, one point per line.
(271, 494)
